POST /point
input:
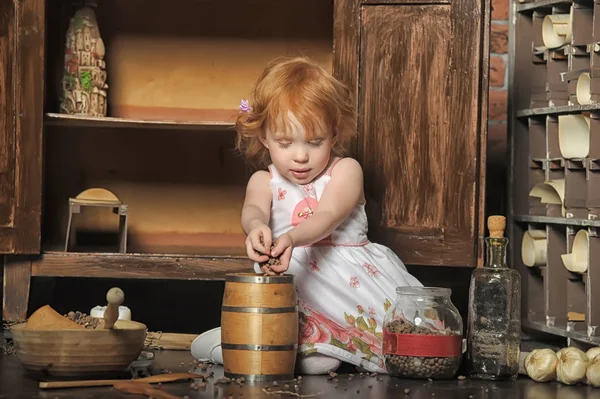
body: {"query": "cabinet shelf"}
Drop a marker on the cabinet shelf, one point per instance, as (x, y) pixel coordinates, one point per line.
(567, 109)
(54, 119)
(561, 332)
(542, 4)
(557, 220)
(137, 266)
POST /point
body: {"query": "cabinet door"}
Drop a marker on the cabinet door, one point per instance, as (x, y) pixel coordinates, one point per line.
(21, 101)
(420, 78)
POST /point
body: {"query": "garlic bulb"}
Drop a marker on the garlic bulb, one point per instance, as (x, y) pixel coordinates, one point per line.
(572, 365)
(541, 364)
(593, 372)
(592, 352)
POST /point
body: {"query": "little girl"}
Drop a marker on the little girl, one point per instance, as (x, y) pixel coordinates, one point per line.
(309, 201)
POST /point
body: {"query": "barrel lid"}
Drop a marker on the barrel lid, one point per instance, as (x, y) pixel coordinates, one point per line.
(258, 278)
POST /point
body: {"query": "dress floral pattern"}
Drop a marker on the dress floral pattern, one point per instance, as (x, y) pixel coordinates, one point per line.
(344, 283)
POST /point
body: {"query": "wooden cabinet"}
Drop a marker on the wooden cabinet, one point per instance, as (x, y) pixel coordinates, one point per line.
(176, 73)
(21, 88)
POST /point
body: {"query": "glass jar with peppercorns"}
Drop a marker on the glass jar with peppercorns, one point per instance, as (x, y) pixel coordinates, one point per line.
(422, 334)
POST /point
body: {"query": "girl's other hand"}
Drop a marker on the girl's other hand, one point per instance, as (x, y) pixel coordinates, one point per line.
(283, 250)
(258, 243)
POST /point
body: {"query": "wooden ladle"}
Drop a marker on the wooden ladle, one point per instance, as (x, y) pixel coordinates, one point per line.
(114, 298)
(143, 388)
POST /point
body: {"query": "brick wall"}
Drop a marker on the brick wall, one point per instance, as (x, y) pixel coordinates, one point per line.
(496, 150)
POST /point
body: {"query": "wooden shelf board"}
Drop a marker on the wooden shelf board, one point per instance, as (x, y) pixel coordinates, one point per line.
(561, 332)
(566, 109)
(142, 266)
(542, 4)
(555, 220)
(54, 119)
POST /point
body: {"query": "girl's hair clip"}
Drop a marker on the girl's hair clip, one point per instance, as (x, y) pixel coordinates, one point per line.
(244, 106)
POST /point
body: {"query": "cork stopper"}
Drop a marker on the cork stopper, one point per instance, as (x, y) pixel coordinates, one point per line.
(496, 225)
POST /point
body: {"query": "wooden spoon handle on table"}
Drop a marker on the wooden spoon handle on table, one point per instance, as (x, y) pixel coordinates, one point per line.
(102, 383)
(114, 298)
(143, 388)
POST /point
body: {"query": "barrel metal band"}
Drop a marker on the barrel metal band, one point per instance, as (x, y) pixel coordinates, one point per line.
(260, 377)
(242, 309)
(264, 348)
(258, 279)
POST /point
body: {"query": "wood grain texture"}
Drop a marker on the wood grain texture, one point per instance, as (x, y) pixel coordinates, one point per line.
(21, 101)
(419, 103)
(248, 328)
(481, 129)
(259, 295)
(16, 283)
(58, 264)
(79, 352)
(346, 39)
(7, 120)
(406, 2)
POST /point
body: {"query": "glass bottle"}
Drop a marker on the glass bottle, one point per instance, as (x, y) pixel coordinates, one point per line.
(494, 317)
(422, 334)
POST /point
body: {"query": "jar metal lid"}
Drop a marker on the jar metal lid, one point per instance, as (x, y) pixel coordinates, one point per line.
(424, 291)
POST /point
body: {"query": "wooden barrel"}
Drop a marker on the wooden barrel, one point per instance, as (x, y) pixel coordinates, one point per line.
(259, 327)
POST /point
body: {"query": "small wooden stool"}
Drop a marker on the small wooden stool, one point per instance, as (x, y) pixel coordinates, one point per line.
(101, 198)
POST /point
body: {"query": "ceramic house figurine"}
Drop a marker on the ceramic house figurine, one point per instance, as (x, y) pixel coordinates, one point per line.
(84, 85)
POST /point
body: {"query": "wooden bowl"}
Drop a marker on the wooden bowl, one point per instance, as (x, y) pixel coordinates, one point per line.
(79, 352)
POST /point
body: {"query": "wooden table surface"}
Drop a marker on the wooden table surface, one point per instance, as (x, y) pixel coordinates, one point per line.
(15, 382)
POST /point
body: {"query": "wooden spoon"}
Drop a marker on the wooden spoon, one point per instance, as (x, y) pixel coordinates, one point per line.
(144, 388)
(115, 297)
(99, 383)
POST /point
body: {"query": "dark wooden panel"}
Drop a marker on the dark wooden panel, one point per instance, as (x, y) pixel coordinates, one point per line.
(58, 264)
(406, 2)
(346, 39)
(21, 75)
(420, 129)
(7, 128)
(16, 284)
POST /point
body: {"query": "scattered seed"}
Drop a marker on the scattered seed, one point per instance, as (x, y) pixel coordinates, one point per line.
(223, 380)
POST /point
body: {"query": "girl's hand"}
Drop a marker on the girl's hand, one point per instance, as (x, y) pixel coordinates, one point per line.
(258, 243)
(283, 249)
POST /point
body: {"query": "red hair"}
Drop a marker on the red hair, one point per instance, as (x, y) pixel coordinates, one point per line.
(321, 104)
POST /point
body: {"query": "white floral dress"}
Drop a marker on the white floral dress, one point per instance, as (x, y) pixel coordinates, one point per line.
(344, 283)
